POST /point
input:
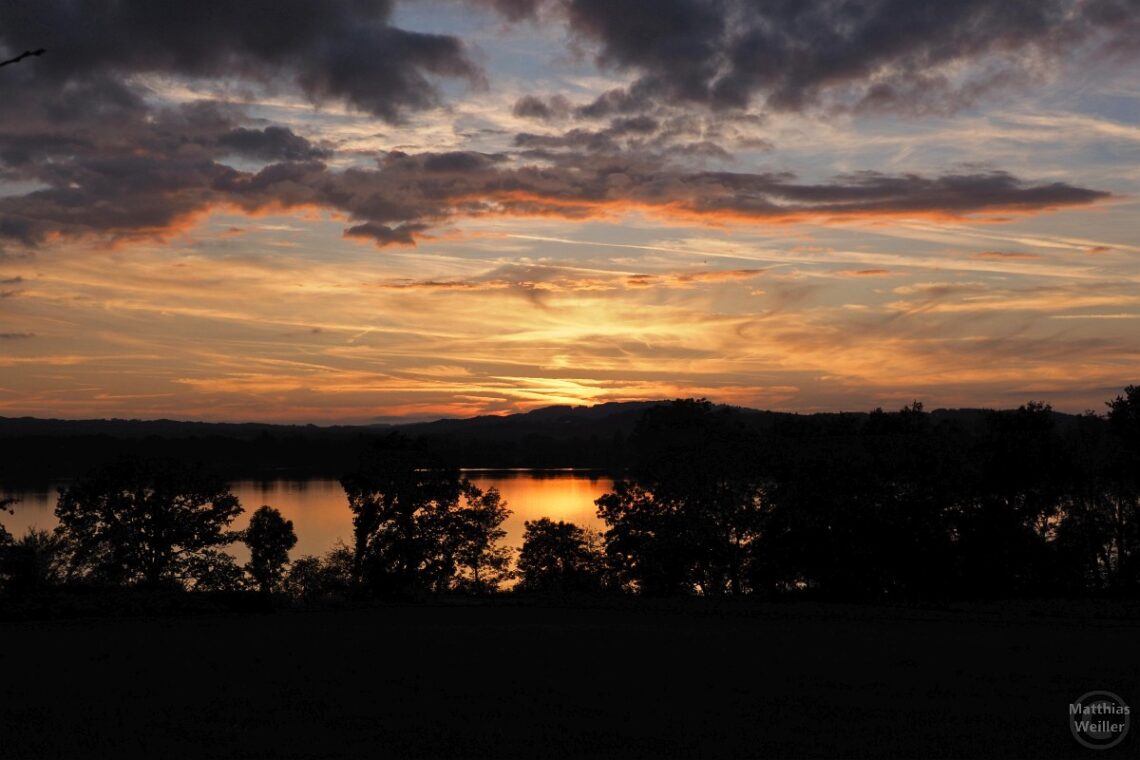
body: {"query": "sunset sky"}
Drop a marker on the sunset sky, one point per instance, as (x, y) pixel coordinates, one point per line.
(363, 210)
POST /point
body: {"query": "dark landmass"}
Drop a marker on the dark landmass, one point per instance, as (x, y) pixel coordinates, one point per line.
(36, 450)
(707, 500)
(635, 678)
(890, 584)
(39, 450)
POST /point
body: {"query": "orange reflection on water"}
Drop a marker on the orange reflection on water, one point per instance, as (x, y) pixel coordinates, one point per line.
(317, 507)
(560, 495)
(320, 514)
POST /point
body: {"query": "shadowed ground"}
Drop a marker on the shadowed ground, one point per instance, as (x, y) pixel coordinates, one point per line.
(681, 679)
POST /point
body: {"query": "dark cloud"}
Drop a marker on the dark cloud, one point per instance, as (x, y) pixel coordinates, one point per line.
(271, 144)
(117, 194)
(124, 192)
(579, 139)
(107, 162)
(543, 109)
(872, 192)
(786, 54)
(704, 149)
(39, 122)
(110, 163)
(460, 162)
(640, 125)
(678, 137)
(677, 41)
(863, 54)
(616, 101)
(514, 10)
(16, 335)
(679, 132)
(101, 117)
(382, 235)
(335, 49)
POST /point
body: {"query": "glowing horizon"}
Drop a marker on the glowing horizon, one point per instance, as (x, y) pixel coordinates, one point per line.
(495, 206)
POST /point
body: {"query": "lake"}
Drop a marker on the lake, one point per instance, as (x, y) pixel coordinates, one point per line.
(320, 515)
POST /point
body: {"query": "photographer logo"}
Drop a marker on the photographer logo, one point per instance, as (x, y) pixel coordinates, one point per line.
(1099, 719)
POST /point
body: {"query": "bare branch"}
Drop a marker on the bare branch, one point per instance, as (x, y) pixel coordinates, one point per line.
(22, 56)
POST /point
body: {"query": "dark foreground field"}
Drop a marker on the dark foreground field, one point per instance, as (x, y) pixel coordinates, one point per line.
(649, 680)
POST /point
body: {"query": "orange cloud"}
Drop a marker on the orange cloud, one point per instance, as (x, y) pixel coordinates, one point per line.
(1005, 256)
(868, 273)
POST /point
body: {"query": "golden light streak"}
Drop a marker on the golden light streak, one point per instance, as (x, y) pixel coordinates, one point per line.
(176, 331)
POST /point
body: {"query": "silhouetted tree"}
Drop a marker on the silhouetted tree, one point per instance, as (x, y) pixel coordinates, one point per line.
(1124, 417)
(5, 542)
(558, 558)
(646, 541)
(483, 564)
(1003, 529)
(399, 499)
(895, 504)
(412, 518)
(6, 506)
(1084, 536)
(1123, 502)
(269, 538)
(689, 518)
(822, 513)
(144, 521)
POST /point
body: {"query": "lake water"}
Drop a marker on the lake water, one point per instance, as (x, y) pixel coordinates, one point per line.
(320, 515)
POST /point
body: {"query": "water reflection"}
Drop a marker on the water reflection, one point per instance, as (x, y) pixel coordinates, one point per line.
(560, 495)
(34, 508)
(320, 513)
(318, 509)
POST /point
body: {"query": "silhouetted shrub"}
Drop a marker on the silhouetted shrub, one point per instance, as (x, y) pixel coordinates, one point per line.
(312, 579)
(31, 564)
(214, 570)
(559, 558)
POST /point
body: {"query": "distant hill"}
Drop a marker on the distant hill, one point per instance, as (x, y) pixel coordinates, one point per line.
(556, 421)
(557, 436)
(120, 428)
(591, 437)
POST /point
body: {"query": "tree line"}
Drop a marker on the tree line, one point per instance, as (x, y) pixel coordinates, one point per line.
(885, 505)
